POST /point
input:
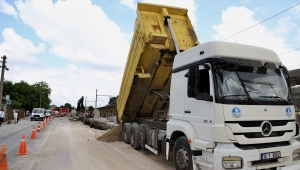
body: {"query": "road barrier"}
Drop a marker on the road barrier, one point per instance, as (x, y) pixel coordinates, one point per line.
(3, 159)
(39, 127)
(23, 149)
(33, 133)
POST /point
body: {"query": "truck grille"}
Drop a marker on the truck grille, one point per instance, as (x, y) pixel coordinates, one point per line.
(258, 123)
(259, 135)
(36, 115)
(262, 145)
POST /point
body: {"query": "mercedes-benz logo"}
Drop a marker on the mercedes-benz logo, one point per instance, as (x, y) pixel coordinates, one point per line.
(266, 128)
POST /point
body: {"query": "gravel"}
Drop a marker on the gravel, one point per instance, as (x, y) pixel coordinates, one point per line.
(112, 135)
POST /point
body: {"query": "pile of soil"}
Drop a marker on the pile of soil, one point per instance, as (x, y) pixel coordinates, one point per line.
(112, 135)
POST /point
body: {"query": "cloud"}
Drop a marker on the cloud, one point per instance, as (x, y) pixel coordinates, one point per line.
(18, 49)
(129, 3)
(76, 30)
(297, 38)
(8, 9)
(189, 4)
(80, 36)
(296, 11)
(70, 83)
(236, 19)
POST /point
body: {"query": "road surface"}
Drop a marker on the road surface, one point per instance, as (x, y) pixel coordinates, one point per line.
(64, 145)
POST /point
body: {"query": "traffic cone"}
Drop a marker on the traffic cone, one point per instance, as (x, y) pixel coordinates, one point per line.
(22, 150)
(3, 159)
(39, 127)
(42, 125)
(3, 150)
(45, 123)
(33, 133)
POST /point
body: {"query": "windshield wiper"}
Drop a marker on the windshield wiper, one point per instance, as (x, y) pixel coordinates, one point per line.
(243, 85)
(235, 95)
(275, 97)
(240, 95)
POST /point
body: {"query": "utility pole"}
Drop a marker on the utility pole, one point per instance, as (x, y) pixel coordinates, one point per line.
(2, 77)
(99, 95)
(96, 100)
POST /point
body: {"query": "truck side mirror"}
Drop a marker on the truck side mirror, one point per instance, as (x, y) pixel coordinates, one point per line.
(285, 70)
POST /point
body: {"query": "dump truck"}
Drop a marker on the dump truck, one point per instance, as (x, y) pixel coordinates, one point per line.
(64, 111)
(216, 105)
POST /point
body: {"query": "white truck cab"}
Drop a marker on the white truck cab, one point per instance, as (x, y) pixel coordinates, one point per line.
(232, 104)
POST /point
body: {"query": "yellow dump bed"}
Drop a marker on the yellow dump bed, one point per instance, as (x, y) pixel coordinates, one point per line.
(150, 58)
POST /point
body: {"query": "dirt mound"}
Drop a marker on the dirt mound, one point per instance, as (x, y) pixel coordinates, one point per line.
(113, 135)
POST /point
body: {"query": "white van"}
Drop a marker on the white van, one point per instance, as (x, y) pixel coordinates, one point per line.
(38, 113)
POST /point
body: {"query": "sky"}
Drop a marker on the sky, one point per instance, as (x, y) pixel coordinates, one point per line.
(81, 46)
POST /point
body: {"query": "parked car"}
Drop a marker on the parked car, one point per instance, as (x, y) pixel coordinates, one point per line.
(38, 114)
(48, 113)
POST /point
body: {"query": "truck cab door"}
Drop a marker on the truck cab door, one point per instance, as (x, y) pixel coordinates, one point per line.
(199, 108)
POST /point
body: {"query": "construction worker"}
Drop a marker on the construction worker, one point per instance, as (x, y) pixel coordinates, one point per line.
(15, 117)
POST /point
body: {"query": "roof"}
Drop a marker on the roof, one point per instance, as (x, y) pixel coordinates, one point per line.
(216, 49)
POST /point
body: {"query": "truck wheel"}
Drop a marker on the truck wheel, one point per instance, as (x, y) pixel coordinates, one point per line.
(135, 136)
(143, 136)
(126, 132)
(31, 119)
(182, 154)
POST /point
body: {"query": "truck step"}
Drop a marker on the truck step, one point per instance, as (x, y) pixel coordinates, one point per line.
(151, 149)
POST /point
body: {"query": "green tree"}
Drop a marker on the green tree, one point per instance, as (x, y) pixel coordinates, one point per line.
(90, 108)
(113, 100)
(24, 95)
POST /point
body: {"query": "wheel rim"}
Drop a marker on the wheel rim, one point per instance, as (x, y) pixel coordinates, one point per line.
(182, 158)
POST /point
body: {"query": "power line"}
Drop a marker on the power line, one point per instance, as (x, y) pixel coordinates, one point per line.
(12, 77)
(293, 66)
(289, 51)
(12, 68)
(261, 22)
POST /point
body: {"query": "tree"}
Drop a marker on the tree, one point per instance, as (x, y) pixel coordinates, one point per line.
(113, 100)
(90, 108)
(24, 95)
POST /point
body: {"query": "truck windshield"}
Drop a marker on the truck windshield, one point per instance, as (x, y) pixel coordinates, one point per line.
(252, 85)
(37, 111)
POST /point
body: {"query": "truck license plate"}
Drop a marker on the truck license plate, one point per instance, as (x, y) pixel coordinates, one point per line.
(270, 155)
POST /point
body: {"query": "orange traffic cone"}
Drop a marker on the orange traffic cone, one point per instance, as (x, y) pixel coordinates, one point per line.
(3, 159)
(45, 123)
(22, 150)
(33, 134)
(39, 127)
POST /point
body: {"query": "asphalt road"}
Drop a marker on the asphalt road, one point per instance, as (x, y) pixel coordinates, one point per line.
(65, 145)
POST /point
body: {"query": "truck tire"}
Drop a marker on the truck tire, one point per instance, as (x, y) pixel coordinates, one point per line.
(182, 154)
(126, 132)
(143, 136)
(135, 136)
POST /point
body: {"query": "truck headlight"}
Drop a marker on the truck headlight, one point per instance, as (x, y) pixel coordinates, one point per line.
(296, 155)
(232, 162)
